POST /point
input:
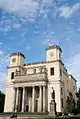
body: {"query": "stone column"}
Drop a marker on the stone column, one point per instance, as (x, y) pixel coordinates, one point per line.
(44, 95)
(30, 104)
(17, 97)
(23, 99)
(14, 99)
(40, 99)
(33, 99)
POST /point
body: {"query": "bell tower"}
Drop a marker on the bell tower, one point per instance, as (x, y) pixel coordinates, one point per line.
(53, 53)
(16, 64)
(16, 59)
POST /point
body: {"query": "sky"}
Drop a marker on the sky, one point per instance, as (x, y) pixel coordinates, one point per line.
(29, 26)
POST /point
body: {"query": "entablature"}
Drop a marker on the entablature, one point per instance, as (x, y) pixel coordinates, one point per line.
(31, 78)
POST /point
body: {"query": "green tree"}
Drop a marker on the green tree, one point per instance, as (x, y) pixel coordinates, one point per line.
(78, 100)
(70, 102)
(2, 98)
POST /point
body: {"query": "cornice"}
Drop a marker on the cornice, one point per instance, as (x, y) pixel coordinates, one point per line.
(18, 53)
(53, 47)
(44, 62)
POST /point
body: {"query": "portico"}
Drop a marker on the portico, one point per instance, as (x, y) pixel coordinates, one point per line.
(30, 99)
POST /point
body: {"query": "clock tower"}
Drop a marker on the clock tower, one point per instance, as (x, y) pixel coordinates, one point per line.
(53, 53)
(16, 64)
(16, 59)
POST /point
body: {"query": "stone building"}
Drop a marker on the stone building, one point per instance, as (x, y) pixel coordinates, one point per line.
(29, 86)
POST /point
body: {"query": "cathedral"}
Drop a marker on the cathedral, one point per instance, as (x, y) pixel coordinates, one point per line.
(29, 87)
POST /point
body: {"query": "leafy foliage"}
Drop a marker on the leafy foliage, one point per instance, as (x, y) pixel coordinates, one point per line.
(70, 102)
(2, 98)
(78, 100)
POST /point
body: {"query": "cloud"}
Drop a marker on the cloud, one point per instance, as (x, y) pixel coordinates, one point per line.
(3, 78)
(28, 47)
(4, 60)
(21, 7)
(1, 43)
(78, 29)
(49, 39)
(30, 9)
(67, 11)
(1, 52)
(73, 65)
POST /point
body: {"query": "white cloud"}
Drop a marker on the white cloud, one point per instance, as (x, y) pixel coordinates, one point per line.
(28, 47)
(4, 60)
(19, 6)
(1, 43)
(50, 39)
(3, 78)
(78, 29)
(1, 52)
(66, 11)
(27, 8)
(23, 8)
(16, 26)
(73, 65)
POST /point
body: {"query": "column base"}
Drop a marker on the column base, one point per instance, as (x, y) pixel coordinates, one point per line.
(52, 114)
(52, 108)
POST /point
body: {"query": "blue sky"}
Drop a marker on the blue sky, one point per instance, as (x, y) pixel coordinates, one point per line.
(29, 26)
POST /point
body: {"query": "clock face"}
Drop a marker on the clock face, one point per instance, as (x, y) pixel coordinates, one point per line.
(51, 54)
(14, 60)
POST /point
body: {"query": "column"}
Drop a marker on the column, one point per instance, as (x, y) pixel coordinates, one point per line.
(40, 99)
(23, 99)
(30, 104)
(44, 98)
(33, 99)
(14, 99)
(17, 97)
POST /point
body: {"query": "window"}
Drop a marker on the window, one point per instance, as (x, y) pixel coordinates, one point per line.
(12, 75)
(60, 72)
(60, 55)
(62, 102)
(52, 71)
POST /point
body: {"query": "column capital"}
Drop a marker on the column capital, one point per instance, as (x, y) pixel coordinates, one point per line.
(17, 87)
(40, 86)
(23, 87)
(33, 86)
(44, 85)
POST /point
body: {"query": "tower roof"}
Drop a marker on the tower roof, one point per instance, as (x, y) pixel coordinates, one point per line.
(18, 53)
(54, 46)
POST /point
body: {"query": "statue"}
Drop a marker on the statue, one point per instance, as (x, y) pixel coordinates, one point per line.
(53, 95)
(52, 103)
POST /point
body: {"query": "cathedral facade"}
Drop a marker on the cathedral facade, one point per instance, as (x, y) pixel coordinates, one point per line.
(29, 86)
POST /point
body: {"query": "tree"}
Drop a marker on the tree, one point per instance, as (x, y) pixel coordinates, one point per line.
(78, 100)
(70, 102)
(2, 98)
